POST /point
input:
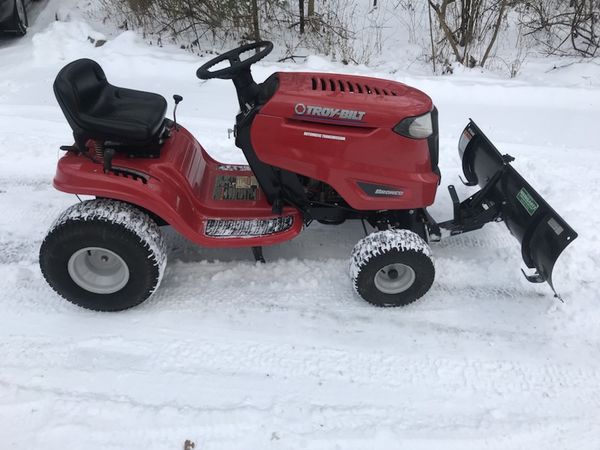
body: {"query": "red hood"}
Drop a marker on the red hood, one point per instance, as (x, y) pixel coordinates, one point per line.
(345, 100)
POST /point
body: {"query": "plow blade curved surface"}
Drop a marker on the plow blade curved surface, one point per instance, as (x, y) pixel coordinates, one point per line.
(542, 232)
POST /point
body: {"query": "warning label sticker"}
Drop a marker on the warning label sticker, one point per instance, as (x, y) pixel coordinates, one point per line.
(527, 201)
(235, 188)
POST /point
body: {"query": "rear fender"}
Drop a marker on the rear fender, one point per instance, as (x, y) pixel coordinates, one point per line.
(166, 198)
(177, 188)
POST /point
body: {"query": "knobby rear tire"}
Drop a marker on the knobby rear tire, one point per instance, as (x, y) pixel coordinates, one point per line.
(113, 226)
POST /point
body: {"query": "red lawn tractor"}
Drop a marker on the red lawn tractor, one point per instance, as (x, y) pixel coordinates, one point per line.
(322, 147)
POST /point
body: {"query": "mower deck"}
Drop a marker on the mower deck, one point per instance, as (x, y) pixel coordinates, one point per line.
(210, 203)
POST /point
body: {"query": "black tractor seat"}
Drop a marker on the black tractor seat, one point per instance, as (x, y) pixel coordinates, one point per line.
(97, 110)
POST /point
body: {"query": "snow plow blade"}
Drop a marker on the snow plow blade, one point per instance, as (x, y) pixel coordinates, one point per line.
(505, 195)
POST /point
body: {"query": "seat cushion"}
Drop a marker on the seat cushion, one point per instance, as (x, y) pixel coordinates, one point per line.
(98, 110)
(126, 115)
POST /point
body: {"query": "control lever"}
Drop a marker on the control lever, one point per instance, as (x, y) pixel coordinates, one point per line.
(178, 99)
(109, 154)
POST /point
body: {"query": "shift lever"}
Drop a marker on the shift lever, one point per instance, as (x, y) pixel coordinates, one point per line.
(178, 99)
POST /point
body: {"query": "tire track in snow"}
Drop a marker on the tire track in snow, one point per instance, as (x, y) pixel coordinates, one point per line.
(309, 288)
(382, 390)
(289, 420)
(16, 251)
(385, 369)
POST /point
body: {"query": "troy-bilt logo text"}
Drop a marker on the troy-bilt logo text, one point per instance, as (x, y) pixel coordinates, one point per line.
(330, 113)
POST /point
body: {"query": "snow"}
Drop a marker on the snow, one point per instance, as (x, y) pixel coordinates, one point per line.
(233, 354)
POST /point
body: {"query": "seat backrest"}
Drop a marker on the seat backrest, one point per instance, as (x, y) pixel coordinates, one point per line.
(78, 88)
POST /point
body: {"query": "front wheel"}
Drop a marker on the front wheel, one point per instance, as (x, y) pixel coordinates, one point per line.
(103, 255)
(392, 268)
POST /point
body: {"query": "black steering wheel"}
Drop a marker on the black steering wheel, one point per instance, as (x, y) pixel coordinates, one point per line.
(236, 64)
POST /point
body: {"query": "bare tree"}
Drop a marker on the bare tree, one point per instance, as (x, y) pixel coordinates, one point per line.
(470, 27)
(563, 28)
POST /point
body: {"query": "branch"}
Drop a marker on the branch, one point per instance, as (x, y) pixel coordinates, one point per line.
(495, 34)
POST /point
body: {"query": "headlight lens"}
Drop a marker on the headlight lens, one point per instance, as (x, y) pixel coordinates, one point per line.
(419, 127)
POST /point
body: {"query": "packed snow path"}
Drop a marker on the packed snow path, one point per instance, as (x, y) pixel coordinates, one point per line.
(236, 355)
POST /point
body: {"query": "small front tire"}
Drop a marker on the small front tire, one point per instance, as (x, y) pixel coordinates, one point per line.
(104, 255)
(392, 268)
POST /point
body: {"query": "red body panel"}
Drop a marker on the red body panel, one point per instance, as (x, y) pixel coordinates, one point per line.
(355, 143)
(179, 190)
(332, 128)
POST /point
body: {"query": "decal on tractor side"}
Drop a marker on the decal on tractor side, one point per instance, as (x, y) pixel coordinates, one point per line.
(232, 228)
(235, 188)
(375, 190)
(332, 137)
(388, 192)
(300, 109)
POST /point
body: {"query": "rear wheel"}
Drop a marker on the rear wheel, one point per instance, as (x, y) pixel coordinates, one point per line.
(392, 267)
(103, 255)
(21, 21)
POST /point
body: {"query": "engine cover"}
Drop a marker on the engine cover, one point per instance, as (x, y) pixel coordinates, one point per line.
(338, 129)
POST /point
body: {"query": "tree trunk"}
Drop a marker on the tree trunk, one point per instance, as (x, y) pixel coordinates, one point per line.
(301, 10)
(464, 22)
(255, 28)
(440, 12)
(433, 56)
(495, 33)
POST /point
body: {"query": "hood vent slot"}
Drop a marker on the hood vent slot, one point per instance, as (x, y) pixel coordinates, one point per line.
(339, 85)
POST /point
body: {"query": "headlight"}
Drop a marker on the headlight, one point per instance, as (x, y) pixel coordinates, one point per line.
(419, 127)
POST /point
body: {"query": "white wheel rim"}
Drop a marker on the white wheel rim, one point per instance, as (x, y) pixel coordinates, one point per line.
(394, 278)
(98, 270)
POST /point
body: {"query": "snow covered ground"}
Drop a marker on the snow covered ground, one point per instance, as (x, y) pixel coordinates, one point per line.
(236, 355)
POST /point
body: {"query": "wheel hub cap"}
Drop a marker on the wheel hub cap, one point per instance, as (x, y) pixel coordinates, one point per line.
(98, 270)
(394, 278)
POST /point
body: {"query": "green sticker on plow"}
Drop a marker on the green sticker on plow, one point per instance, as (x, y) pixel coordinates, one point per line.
(527, 201)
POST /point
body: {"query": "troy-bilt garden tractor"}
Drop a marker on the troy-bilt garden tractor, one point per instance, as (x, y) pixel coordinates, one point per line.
(322, 147)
